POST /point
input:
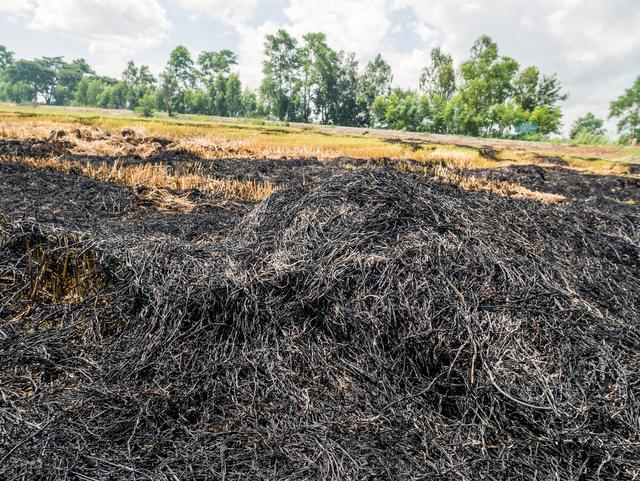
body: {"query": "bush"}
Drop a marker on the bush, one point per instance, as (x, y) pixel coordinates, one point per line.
(147, 104)
(625, 139)
(589, 138)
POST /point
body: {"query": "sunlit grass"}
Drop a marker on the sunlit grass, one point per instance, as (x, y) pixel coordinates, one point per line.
(158, 176)
(223, 139)
(212, 138)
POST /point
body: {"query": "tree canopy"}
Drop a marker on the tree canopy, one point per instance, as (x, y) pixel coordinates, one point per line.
(587, 124)
(627, 109)
(304, 79)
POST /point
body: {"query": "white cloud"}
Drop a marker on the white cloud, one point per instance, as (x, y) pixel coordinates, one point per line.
(406, 66)
(15, 10)
(16, 7)
(114, 30)
(224, 10)
(358, 26)
(250, 38)
(135, 24)
(250, 47)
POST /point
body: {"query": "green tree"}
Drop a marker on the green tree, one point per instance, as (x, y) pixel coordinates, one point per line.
(169, 88)
(627, 109)
(589, 124)
(113, 96)
(95, 89)
(19, 92)
(148, 104)
(374, 82)
(181, 66)
(305, 79)
(278, 88)
(546, 118)
(220, 98)
(49, 78)
(34, 76)
(197, 102)
(346, 110)
(439, 77)
(531, 89)
(435, 119)
(233, 95)
(68, 77)
(487, 81)
(504, 119)
(6, 57)
(139, 81)
(130, 74)
(401, 110)
(526, 88)
(212, 63)
(324, 73)
(249, 103)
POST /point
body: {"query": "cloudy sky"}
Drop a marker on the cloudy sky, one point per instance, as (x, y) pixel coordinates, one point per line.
(593, 45)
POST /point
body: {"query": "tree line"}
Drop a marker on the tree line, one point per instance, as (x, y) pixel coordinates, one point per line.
(488, 94)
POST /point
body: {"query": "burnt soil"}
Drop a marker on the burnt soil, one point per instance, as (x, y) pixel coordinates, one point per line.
(358, 324)
(286, 172)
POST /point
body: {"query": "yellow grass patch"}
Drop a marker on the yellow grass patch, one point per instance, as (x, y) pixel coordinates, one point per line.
(101, 133)
(498, 187)
(159, 176)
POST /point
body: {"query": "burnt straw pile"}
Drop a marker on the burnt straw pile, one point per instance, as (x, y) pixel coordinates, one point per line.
(370, 327)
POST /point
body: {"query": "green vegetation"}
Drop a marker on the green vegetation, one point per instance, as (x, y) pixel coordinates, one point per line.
(588, 130)
(488, 95)
(627, 109)
(493, 99)
(588, 124)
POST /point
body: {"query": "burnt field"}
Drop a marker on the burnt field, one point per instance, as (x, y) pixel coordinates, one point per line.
(171, 312)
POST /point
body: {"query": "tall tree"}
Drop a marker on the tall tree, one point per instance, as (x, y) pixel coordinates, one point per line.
(531, 89)
(439, 77)
(488, 76)
(49, 78)
(305, 79)
(212, 63)
(249, 103)
(68, 77)
(375, 81)
(280, 72)
(53, 65)
(233, 94)
(402, 109)
(130, 74)
(220, 98)
(34, 78)
(146, 80)
(181, 65)
(139, 81)
(346, 109)
(487, 81)
(627, 109)
(550, 91)
(325, 69)
(169, 88)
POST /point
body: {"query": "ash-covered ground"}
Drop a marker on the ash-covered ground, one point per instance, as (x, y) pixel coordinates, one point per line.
(359, 323)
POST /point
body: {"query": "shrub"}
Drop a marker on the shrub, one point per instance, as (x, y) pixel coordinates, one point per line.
(147, 104)
(589, 138)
